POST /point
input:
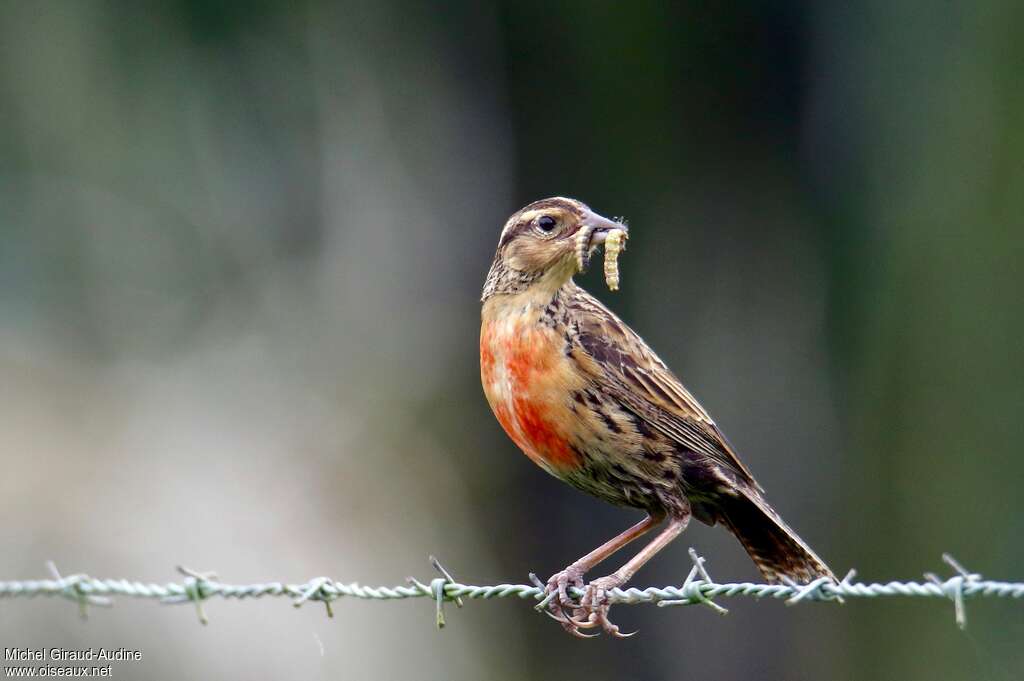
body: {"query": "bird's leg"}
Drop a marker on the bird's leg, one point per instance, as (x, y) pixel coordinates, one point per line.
(572, 576)
(594, 606)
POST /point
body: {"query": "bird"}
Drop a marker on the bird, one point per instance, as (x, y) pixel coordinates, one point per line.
(585, 398)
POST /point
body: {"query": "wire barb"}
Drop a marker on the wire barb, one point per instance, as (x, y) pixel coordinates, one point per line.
(448, 577)
(317, 592)
(814, 589)
(691, 589)
(953, 588)
(438, 590)
(542, 605)
(73, 589)
(195, 590)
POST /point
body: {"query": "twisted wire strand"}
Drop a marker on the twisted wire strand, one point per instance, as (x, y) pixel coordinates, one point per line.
(698, 589)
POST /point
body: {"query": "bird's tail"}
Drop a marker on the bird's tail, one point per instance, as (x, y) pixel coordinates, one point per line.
(775, 548)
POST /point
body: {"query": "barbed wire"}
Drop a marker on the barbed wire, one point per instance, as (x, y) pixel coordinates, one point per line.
(697, 589)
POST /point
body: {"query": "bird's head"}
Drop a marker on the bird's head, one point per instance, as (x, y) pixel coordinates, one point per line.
(545, 244)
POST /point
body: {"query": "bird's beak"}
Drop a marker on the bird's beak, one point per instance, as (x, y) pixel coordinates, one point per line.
(593, 232)
(601, 226)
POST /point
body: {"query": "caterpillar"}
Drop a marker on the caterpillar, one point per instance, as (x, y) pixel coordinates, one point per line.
(583, 248)
(614, 243)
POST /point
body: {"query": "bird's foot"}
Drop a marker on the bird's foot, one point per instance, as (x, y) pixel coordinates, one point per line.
(592, 609)
(560, 600)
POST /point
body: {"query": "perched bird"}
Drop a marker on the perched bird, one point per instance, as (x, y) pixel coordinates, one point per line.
(585, 398)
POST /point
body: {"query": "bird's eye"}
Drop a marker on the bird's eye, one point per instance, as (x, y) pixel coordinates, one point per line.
(546, 223)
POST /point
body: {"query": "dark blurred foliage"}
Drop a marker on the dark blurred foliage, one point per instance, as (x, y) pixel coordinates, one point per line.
(241, 246)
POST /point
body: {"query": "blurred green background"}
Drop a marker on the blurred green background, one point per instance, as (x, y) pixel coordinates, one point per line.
(241, 249)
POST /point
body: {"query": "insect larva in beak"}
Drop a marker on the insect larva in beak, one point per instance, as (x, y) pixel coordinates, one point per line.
(613, 245)
(583, 248)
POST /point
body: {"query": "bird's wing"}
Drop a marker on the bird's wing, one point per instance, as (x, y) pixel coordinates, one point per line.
(629, 371)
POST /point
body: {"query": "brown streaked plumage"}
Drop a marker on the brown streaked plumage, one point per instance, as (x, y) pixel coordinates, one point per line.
(585, 398)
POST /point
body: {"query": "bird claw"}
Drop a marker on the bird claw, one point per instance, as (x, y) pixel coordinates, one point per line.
(567, 625)
(592, 609)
